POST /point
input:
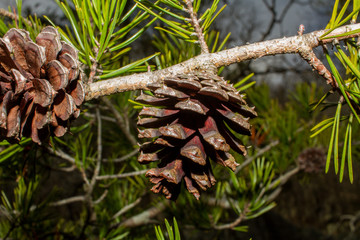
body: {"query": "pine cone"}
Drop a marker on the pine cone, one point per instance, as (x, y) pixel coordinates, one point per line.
(40, 85)
(312, 160)
(189, 125)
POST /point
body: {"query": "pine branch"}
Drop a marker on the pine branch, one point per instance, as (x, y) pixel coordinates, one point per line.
(301, 44)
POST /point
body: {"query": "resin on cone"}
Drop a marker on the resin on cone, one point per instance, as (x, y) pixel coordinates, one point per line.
(191, 119)
(40, 85)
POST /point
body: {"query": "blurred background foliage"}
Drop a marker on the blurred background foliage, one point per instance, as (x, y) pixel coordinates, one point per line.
(88, 184)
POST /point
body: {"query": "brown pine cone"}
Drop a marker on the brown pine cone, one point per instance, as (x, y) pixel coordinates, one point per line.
(40, 85)
(193, 120)
(312, 160)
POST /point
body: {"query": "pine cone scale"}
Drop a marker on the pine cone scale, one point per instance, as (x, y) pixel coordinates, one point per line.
(35, 58)
(211, 134)
(70, 64)
(43, 92)
(147, 99)
(236, 121)
(20, 81)
(157, 112)
(66, 48)
(163, 142)
(149, 133)
(13, 122)
(170, 92)
(194, 150)
(4, 80)
(192, 105)
(5, 56)
(4, 109)
(77, 92)
(51, 42)
(57, 75)
(18, 40)
(63, 106)
(214, 92)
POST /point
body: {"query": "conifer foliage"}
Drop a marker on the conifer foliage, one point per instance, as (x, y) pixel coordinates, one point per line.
(94, 183)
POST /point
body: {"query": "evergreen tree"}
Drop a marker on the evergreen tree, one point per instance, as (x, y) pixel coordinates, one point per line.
(71, 166)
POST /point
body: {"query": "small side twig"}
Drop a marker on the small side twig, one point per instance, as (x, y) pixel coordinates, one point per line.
(121, 121)
(278, 182)
(196, 25)
(94, 66)
(13, 16)
(224, 203)
(301, 30)
(122, 175)
(99, 155)
(309, 56)
(61, 154)
(68, 201)
(90, 214)
(236, 222)
(353, 219)
(102, 197)
(123, 158)
(258, 154)
(126, 208)
(144, 217)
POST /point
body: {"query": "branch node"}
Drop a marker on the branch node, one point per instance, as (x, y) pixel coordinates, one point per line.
(309, 56)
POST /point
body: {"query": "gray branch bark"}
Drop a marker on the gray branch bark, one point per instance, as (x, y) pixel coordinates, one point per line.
(302, 44)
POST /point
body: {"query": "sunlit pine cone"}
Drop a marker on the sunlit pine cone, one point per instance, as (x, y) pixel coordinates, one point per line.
(40, 85)
(189, 124)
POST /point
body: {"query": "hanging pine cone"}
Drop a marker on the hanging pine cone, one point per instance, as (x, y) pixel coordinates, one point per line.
(40, 85)
(189, 125)
(312, 160)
